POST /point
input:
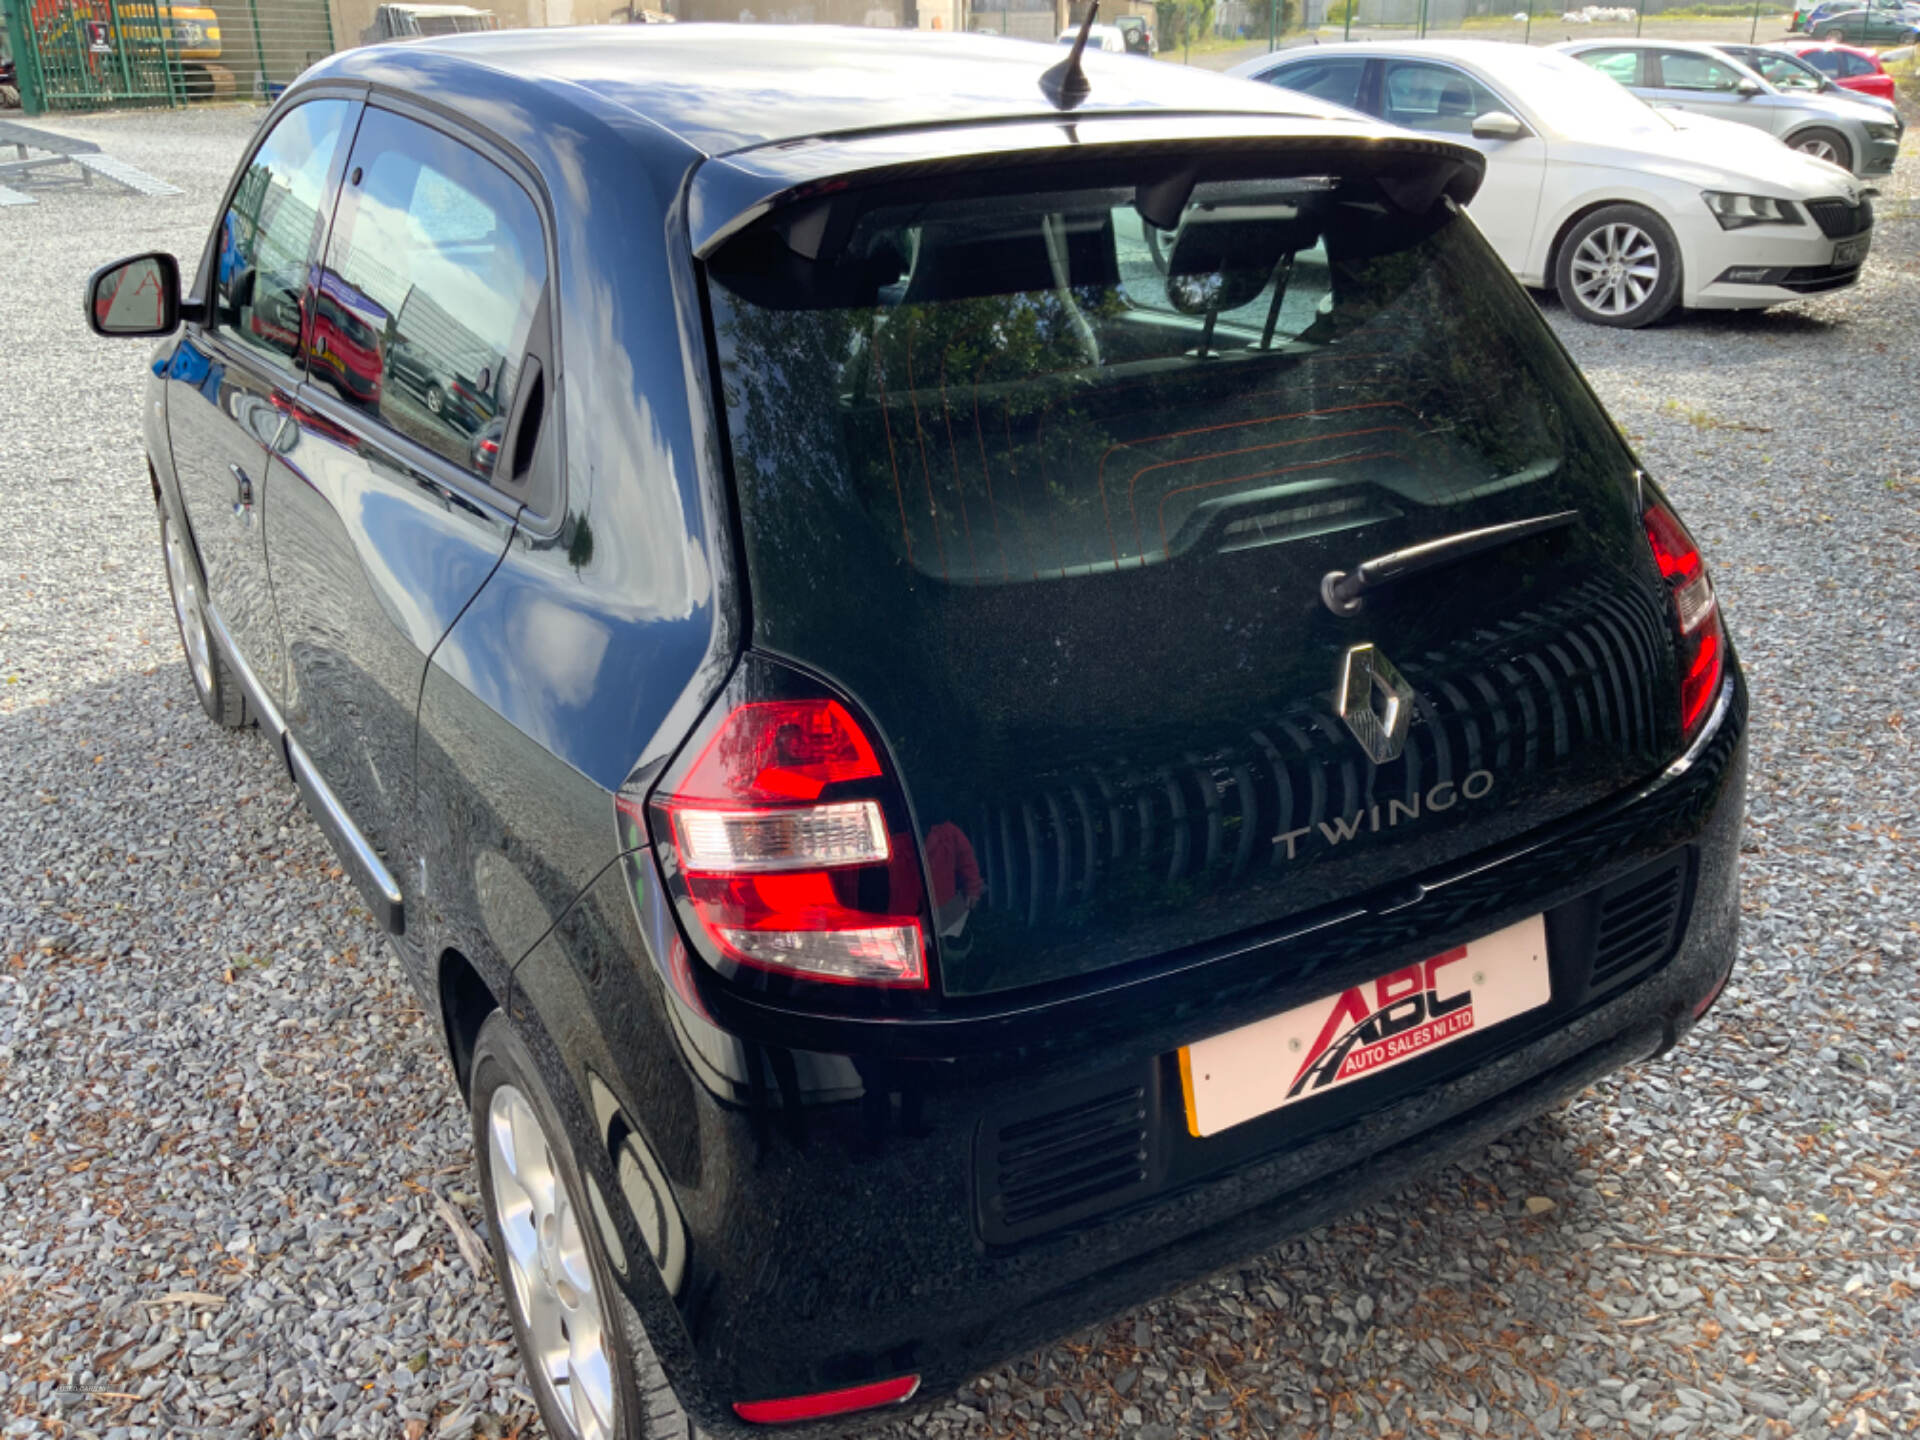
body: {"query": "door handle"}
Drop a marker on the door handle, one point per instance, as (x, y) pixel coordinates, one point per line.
(242, 488)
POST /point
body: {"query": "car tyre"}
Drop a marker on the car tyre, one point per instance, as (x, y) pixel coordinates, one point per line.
(214, 684)
(1831, 36)
(601, 1379)
(1619, 266)
(1824, 144)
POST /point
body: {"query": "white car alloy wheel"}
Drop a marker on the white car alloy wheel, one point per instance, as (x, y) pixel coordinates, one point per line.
(1615, 268)
(186, 609)
(551, 1279)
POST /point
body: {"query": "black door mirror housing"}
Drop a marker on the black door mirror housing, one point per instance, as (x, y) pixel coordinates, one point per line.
(1498, 125)
(137, 296)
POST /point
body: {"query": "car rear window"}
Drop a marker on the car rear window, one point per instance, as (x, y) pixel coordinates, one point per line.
(1047, 386)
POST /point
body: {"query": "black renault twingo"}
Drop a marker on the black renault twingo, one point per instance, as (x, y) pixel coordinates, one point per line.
(990, 695)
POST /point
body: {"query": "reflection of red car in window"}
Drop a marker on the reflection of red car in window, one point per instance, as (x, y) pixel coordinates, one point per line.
(1847, 66)
(272, 308)
(345, 345)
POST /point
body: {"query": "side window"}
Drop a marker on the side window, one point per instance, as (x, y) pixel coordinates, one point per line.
(434, 273)
(267, 234)
(1686, 70)
(1826, 61)
(1434, 97)
(1336, 81)
(1621, 65)
(1781, 73)
(1852, 65)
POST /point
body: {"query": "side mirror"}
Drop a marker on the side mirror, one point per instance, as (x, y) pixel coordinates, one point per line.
(1748, 88)
(136, 296)
(1498, 125)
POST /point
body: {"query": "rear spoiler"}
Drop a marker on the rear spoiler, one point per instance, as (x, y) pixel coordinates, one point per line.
(731, 192)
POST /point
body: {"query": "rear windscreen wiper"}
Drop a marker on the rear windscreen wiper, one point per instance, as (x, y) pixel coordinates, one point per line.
(1345, 591)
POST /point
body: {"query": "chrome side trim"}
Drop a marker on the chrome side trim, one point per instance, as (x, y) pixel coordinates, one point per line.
(375, 882)
(265, 713)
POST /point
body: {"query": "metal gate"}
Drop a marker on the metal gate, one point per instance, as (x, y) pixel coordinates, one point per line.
(93, 54)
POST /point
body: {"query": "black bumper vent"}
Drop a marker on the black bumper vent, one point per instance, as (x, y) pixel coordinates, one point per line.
(1638, 925)
(1837, 219)
(1081, 1151)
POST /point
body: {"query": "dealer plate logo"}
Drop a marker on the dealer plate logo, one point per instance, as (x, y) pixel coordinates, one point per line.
(1374, 702)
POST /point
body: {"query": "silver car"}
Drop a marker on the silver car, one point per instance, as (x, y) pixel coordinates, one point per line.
(1851, 132)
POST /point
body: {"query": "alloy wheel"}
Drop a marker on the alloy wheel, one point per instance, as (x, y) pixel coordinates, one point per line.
(551, 1280)
(1616, 268)
(186, 609)
(1819, 150)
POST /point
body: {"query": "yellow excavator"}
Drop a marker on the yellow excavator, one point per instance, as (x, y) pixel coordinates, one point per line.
(192, 29)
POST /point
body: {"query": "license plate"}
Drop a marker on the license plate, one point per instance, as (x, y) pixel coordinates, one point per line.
(1851, 252)
(1316, 1048)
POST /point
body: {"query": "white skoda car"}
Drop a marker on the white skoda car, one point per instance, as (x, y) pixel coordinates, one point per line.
(1625, 210)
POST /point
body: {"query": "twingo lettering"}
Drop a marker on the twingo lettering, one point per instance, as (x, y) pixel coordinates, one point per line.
(1444, 795)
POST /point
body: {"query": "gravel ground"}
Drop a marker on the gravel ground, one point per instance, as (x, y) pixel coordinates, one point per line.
(234, 1182)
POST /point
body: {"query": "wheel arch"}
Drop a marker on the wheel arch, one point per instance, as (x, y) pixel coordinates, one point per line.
(1586, 208)
(466, 1000)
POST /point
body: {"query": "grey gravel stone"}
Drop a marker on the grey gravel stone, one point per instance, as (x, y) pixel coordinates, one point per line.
(213, 1077)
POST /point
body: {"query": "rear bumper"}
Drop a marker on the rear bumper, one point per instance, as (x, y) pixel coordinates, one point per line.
(828, 1201)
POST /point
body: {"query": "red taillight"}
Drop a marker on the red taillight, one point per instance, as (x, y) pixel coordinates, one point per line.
(1702, 642)
(778, 750)
(778, 874)
(827, 1402)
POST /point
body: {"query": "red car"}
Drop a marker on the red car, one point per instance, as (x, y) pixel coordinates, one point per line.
(1847, 66)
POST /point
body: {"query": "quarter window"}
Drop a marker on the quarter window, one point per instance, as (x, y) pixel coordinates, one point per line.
(433, 277)
(267, 233)
(1684, 70)
(1826, 60)
(1336, 81)
(1852, 65)
(1435, 97)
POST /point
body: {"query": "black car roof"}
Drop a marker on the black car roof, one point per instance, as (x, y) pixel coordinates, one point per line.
(724, 88)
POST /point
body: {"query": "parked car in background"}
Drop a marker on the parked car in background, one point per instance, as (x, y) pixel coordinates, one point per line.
(1805, 16)
(1101, 37)
(1790, 73)
(1847, 66)
(1866, 27)
(1596, 195)
(1848, 130)
(1137, 30)
(875, 937)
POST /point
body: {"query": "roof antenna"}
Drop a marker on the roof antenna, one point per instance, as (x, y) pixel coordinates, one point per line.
(1066, 84)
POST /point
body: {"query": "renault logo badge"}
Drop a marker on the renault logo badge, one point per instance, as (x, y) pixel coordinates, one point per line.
(1375, 702)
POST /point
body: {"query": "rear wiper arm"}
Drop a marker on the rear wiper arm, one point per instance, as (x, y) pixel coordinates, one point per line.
(1345, 591)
